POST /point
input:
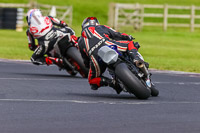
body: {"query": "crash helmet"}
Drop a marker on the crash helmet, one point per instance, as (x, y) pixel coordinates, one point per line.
(33, 12)
(90, 21)
(38, 25)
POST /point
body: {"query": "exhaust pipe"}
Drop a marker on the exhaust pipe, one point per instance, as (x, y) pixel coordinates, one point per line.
(141, 65)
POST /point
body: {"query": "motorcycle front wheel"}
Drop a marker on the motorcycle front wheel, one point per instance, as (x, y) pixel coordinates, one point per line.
(154, 91)
(75, 55)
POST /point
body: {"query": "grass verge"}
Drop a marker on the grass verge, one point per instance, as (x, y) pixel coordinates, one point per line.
(172, 50)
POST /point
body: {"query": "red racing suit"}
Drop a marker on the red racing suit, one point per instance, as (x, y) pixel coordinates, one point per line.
(92, 35)
(46, 43)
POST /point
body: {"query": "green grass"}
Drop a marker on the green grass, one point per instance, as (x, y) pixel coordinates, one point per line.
(176, 49)
(13, 45)
(171, 50)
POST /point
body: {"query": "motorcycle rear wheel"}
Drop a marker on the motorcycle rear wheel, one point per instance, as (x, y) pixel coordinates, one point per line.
(132, 83)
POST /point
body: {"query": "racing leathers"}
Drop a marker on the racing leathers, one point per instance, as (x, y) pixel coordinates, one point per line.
(92, 39)
(59, 33)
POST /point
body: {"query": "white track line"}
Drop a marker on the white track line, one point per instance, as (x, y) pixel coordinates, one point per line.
(12, 60)
(191, 74)
(43, 79)
(179, 83)
(96, 102)
(31, 79)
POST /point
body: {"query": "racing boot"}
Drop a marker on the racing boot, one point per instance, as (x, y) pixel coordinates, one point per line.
(104, 81)
(58, 62)
(112, 83)
(52, 60)
(97, 82)
(48, 61)
(94, 86)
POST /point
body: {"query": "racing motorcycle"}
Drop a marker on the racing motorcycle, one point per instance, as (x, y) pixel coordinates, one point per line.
(72, 62)
(132, 77)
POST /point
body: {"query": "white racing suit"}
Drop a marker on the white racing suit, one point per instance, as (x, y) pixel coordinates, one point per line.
(62, 36)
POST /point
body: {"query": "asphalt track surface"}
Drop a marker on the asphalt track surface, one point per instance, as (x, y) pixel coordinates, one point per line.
(42, 99)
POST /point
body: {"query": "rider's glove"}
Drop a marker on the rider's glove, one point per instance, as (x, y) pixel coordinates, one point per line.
(137, 45)
(32, 47)
(130, 38)
(63, 24)
(74, 39)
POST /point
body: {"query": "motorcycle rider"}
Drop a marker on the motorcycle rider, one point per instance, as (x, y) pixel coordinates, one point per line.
(43, 28)
(93, 33)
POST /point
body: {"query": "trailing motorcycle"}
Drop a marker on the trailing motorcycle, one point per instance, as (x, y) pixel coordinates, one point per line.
(132, 77)
(72, 62)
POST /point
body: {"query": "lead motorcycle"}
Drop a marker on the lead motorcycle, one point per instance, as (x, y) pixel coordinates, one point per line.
(72, 62)
(133, 78)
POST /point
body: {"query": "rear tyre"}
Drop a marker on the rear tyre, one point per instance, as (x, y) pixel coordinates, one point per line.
(74, 54)
(132, 83)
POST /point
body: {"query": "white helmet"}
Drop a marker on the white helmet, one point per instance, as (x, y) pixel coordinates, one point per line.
(30, 13)
(38, 25)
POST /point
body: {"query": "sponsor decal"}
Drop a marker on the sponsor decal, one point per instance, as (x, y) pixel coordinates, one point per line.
(96, 46)
(47, 21)
(33, 30)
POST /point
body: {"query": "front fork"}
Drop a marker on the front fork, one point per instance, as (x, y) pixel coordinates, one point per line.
(68, 66)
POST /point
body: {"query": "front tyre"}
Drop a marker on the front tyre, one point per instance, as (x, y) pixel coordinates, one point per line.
(154, 91)
(132, 83)
(75, 55)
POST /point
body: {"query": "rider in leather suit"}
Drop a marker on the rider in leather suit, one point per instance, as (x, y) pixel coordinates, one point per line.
(43, 28)
(93, 33)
